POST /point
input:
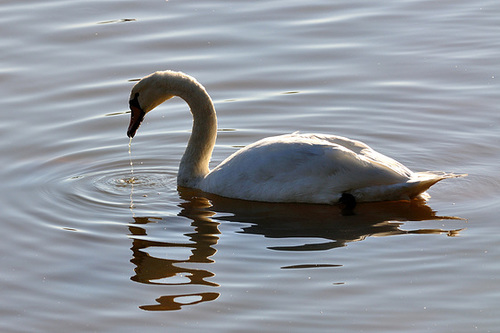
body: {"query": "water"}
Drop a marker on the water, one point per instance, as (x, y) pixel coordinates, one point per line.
(83, 250)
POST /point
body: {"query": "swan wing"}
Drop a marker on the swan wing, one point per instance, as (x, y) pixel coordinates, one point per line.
(303, 168)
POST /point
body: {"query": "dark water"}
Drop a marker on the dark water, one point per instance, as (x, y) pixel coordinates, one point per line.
(84, 250)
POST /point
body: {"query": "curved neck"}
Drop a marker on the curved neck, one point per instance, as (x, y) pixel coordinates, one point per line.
(194, 163)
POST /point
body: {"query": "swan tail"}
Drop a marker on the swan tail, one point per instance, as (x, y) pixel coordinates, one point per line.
(415, 187)
(420, 182)
(437, 175)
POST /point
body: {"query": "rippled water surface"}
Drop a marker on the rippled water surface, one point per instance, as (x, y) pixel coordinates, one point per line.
(87, 248)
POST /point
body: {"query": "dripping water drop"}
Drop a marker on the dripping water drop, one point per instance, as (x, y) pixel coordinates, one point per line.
(131, 180)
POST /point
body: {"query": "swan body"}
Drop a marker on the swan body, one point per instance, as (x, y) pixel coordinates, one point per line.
(306, 168)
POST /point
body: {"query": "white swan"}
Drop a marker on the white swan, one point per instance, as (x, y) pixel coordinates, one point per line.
(306, 168)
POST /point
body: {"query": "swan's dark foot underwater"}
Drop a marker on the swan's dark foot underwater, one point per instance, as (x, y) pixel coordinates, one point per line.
(347, 203)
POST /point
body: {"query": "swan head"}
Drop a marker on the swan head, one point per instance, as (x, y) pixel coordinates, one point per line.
(148, 93)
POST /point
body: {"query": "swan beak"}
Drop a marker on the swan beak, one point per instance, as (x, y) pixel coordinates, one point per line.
(137, 116)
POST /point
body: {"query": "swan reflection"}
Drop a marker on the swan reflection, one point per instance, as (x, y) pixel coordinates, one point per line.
(298, 222)
(175, 272)
(330, 224)
(150, 269)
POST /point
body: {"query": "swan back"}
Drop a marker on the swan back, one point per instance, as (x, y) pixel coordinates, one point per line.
(304, 168)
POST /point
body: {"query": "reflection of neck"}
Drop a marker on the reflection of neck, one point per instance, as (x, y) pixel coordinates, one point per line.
(206, 236)
(153, 270)
(194, 162)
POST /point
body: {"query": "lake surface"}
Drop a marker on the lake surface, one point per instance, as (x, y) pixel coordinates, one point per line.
(83, 250)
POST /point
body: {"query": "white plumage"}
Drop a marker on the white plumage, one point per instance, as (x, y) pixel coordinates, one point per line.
(308, 168)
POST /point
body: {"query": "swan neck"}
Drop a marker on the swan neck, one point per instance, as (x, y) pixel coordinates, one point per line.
(194, 164)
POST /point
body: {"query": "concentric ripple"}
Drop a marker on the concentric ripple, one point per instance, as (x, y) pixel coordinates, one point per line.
(123, 182)
(107, 185)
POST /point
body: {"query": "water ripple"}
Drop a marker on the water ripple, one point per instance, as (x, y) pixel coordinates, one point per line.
(109, 184)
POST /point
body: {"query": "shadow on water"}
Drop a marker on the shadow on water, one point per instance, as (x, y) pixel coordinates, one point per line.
(332, 226)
